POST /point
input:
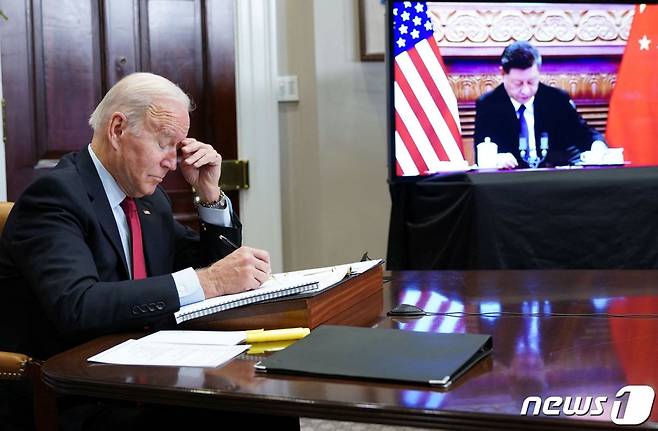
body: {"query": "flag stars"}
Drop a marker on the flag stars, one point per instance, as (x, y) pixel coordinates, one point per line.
(403, 29)
(417, 21)
(428, 25)
(395, 11)
(405, 16)
(644, 43)
(407, 4)
(419, 7)
(401, 43)
(415, 33)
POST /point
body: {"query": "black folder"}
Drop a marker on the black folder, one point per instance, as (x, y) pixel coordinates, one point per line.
(436, 359)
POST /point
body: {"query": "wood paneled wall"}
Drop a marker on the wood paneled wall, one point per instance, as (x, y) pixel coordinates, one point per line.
(59, 57)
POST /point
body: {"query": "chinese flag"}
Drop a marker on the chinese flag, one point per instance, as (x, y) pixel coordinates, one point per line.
(633, 114)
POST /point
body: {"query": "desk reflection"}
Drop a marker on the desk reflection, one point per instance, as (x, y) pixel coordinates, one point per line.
(534, 354)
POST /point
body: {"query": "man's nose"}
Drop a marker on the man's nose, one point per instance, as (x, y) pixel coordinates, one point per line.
(169, 162)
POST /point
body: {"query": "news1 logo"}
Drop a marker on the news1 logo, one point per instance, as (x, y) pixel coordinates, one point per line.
(638, 405)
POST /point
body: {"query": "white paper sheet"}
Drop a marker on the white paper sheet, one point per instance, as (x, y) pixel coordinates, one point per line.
(330, 275)
(220, 338)
(138, 352)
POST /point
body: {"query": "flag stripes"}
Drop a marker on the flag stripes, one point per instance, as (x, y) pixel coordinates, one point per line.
(427, 131)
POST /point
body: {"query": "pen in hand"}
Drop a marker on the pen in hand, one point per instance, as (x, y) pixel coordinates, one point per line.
(234, 247)
(228, 242)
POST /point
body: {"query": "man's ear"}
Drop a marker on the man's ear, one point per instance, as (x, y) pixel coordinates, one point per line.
(116, 128)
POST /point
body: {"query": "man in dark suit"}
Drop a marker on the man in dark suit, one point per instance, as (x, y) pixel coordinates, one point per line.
(91, 247)
(522, 112)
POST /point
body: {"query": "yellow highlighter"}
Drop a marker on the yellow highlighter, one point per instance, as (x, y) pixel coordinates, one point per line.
(269, 346)
(260, 335)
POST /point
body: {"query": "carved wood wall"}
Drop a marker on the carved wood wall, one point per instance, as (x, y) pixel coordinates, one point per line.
(563, 29)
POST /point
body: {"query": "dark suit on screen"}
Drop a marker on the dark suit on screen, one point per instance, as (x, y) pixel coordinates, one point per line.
(63, 275)
(568, 133)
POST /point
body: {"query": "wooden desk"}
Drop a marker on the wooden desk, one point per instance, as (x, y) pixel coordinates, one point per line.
(567, 356)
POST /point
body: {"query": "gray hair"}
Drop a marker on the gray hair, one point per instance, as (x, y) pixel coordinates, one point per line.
(133, 95)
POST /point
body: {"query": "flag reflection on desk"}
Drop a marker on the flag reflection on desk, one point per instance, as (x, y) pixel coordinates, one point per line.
(433, 302)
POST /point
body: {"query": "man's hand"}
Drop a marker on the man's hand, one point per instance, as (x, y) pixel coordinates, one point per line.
(201, 167)
(506, 161)
(244, 269)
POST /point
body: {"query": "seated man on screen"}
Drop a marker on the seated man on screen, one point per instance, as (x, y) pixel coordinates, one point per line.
(91, 247)
(522, 109)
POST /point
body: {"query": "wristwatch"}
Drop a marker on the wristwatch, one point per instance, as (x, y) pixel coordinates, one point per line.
(218, 204)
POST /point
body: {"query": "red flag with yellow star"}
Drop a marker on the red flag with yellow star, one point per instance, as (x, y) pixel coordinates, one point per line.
(633, 114)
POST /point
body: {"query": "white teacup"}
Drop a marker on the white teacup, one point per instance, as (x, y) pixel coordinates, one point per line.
(487, 154)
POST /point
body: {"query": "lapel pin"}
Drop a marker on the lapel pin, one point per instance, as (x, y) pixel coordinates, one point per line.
(147, 212)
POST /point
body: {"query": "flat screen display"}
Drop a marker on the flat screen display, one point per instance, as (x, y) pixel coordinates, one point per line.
(506, 86)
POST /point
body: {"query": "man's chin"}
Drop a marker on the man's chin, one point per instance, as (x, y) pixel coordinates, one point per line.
(147, 191)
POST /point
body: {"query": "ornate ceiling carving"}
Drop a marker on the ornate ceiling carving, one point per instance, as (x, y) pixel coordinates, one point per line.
(564, 28)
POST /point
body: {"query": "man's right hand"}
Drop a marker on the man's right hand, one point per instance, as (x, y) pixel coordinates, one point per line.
(506, 161)
(244, 269)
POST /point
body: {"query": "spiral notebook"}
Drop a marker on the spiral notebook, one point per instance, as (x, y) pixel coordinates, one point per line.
(275, 287)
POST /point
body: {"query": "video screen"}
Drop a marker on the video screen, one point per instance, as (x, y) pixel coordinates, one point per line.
(507, 86)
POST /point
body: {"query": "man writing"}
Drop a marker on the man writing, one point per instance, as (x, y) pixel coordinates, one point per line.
(92, 247)
(522, 109)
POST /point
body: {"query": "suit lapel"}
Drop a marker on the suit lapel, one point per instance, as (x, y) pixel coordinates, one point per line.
(100, 204)
(508, 116)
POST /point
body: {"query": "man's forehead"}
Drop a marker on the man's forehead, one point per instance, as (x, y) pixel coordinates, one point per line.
(168, 120)
(530, 72)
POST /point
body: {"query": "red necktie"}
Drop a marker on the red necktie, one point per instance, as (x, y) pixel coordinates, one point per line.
(139, 264)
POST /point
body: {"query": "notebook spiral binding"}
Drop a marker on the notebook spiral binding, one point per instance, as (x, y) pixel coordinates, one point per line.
(228, 302)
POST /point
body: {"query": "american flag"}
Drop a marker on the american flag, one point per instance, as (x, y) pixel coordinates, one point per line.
(427, 130)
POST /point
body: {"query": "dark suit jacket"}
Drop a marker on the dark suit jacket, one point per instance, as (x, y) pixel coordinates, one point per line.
(63, 274)
(568, 134)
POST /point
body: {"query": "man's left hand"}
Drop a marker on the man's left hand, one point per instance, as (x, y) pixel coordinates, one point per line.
(201, 167)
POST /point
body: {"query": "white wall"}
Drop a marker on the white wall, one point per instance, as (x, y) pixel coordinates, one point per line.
(333, 141)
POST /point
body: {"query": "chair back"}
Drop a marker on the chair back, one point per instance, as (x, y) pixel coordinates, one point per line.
(17, 366)
(5, 207)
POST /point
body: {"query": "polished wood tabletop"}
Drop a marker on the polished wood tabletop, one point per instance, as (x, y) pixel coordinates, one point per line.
(555, 333)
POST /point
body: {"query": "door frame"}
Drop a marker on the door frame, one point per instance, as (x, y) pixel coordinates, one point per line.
(258, 125)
